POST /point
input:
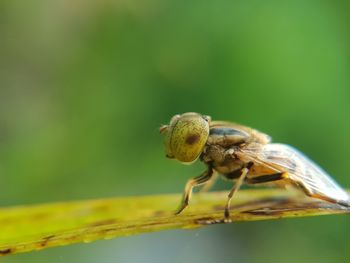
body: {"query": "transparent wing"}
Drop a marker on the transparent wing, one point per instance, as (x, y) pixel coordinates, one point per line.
(300, 169)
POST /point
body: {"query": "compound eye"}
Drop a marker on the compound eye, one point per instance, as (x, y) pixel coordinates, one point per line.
(188, 137)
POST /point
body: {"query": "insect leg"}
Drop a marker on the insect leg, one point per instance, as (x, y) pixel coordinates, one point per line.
(204, 177)
(209, 184)
(234, 189)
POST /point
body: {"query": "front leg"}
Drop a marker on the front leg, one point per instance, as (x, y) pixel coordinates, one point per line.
(209, 184)
(203, 178)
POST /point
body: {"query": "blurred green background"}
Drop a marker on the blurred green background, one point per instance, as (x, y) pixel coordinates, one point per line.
(85, 85)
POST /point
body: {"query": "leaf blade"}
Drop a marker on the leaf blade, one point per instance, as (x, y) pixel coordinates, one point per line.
(35, 227)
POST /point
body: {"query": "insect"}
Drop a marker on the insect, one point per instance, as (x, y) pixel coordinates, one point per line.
(246, 155)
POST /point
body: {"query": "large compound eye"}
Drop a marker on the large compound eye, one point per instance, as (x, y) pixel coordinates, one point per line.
(186, 136)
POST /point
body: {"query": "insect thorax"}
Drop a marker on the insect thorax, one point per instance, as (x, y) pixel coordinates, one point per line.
(220, 149)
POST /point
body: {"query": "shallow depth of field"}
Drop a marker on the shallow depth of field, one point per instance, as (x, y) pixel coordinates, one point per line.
(85, 86)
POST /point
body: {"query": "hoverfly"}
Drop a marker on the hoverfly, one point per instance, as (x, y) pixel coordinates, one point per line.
(246, 155)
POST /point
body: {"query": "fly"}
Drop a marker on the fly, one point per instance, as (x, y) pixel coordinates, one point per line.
(245, 155)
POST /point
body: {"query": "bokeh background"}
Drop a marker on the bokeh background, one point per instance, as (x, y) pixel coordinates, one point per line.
(85, 85)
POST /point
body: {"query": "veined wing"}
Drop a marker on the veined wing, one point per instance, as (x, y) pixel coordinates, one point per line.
(301, 170)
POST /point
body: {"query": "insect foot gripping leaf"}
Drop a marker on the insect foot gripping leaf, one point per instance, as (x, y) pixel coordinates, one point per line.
(246, 156)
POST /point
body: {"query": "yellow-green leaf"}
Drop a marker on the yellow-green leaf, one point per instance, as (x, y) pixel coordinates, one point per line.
(34, 227)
